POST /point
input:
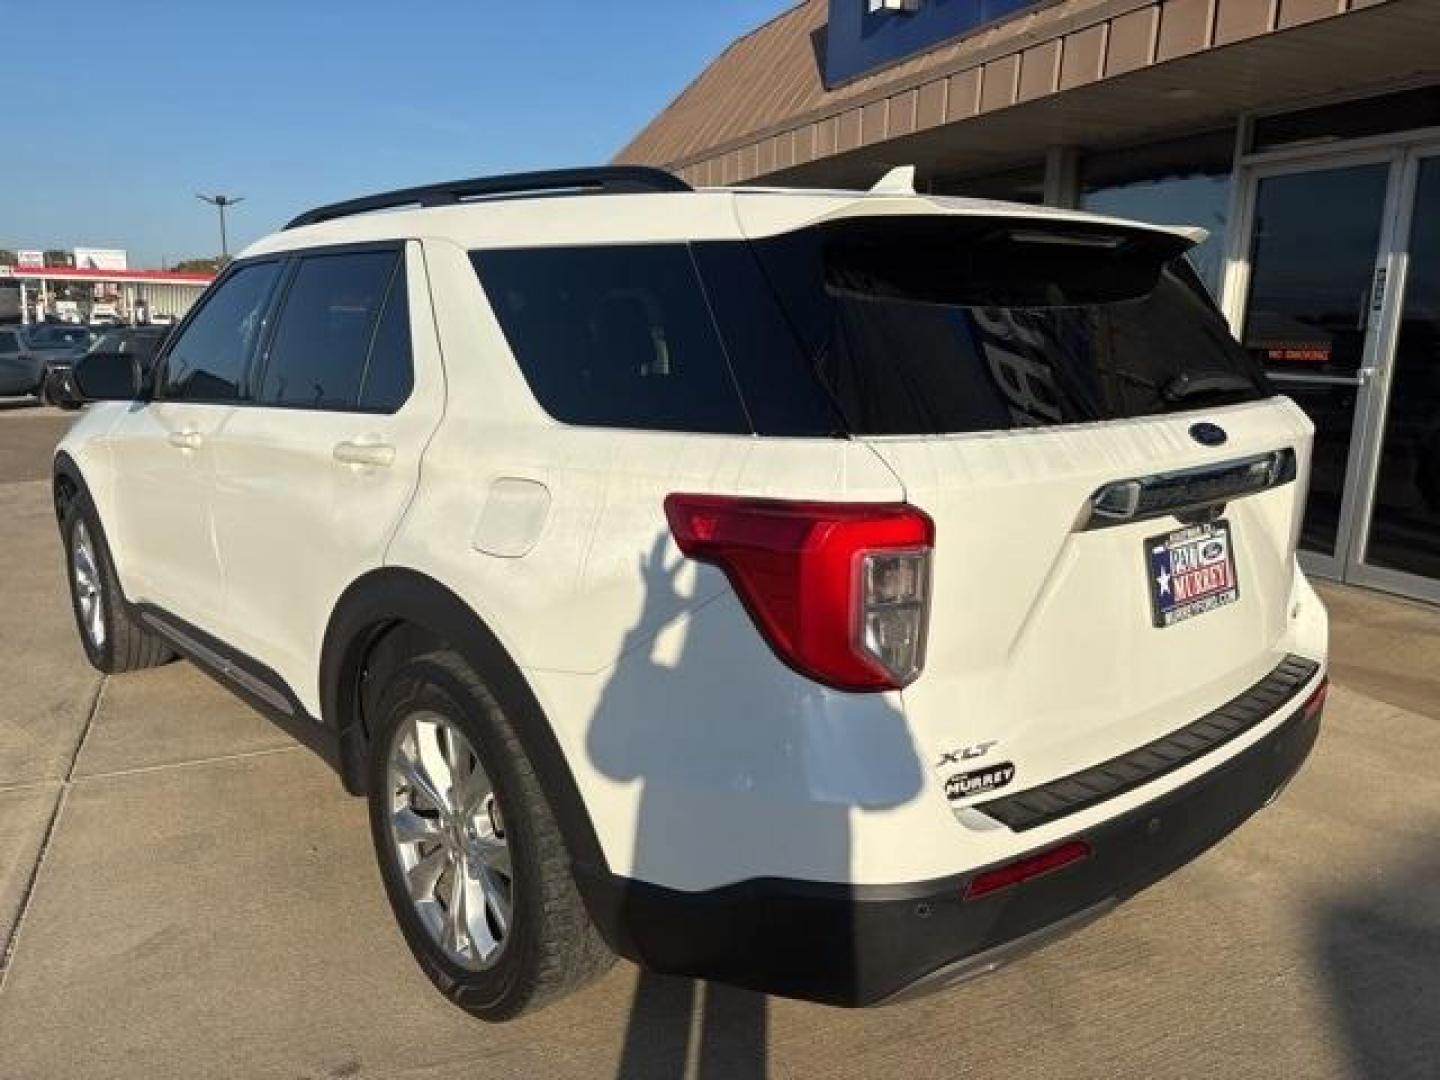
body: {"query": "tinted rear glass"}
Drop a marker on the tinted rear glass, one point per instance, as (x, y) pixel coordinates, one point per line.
(916, 326)
(614, 336)
(870, 327)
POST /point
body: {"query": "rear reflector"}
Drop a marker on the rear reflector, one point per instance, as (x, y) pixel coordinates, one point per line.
(1316, 701)
(1032, 866)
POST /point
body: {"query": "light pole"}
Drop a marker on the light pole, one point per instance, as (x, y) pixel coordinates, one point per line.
(220, 202)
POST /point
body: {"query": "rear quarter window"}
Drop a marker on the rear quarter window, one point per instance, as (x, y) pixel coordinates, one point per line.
(614, 336)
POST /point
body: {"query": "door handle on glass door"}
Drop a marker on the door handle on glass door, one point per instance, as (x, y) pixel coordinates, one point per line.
(187, 440)
(364, 453)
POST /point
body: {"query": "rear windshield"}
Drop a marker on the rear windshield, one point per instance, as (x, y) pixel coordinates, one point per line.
(891, 326)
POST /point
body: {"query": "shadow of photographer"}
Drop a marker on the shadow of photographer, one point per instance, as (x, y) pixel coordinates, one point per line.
(783, 772)
(1380, 952)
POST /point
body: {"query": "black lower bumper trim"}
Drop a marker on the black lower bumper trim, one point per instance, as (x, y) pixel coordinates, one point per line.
(858, 945)
(1041, 805)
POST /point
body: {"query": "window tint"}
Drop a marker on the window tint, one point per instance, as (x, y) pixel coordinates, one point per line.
(614, 337)
(317, 357)
(9, 343)
(208, 360)
(389, 373)
(782, 395)
(913, 326)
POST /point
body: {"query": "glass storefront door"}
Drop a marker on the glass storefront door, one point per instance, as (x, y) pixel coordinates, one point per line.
(1341, 303)
(1401, 542)
(1317, 237)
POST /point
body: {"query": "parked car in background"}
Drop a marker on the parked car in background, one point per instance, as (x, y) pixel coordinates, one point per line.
(26, 350)
(141, 341)
(21, 370)
(60, 337)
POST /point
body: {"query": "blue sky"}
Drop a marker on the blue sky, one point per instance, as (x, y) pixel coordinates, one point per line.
(118, 113)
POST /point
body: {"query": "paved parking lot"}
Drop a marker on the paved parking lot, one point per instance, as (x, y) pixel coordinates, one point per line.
(184, 892)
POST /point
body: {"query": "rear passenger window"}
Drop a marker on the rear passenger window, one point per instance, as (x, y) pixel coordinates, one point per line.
(614, 336)
(209, 358)
(317, 358)
(389, 371)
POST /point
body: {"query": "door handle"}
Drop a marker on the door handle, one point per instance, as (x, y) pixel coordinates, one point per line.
(187, 440)
(364, 453)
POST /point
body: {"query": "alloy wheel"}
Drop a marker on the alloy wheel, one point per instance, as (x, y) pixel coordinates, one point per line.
(85, 568)
(448, 839)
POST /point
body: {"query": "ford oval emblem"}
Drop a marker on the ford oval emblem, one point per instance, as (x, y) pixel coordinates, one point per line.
(1208, 434)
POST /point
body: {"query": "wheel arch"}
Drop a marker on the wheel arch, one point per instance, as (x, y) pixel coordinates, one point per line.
(66, 483)
(392, 599)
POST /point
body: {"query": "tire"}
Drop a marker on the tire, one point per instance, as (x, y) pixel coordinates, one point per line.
(114, 642)
(507, 842)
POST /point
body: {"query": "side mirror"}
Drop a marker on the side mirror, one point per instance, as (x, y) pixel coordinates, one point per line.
(107, 376)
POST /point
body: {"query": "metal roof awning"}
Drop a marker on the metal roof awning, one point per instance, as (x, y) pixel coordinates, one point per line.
(1088, 73)
(71, 273)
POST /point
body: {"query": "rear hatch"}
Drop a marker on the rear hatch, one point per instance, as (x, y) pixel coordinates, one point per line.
(1116, 490)
(1058, 639)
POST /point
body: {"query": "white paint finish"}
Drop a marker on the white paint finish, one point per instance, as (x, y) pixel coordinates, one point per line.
(760, 217)
(512, 518)
(709, 214)
(163, 455)
(1040, 631)
(702, 759)
(606, 524)
(705, 772)
(295, 526)
(710, 761)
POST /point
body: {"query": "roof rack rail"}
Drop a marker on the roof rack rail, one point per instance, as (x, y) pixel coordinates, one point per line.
(600, 180)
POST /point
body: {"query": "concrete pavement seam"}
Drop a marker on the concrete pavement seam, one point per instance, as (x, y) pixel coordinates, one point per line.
(7, 953)
(28, 896)
(138, 770)
(85, 731)
(29, 785)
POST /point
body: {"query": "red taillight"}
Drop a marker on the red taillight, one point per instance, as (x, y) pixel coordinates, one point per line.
(1316, 701)
(840, 590)
(1002, 877)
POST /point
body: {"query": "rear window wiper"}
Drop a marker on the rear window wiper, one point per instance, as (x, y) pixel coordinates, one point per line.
(1187, 385)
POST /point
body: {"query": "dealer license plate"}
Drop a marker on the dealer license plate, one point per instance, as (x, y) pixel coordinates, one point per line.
(1192, 571)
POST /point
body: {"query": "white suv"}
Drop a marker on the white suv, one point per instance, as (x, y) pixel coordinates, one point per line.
(835, 594)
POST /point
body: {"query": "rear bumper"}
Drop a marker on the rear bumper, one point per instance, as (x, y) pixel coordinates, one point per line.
(860, 945)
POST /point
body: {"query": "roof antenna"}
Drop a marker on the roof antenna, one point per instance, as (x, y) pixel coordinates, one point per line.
(898, 181)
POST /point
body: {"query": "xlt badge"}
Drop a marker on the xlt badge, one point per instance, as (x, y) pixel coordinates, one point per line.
(978, 781)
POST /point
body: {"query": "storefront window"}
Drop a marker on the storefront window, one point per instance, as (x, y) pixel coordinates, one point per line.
(1180, 182)
(1401, 111)
(1023, 185)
